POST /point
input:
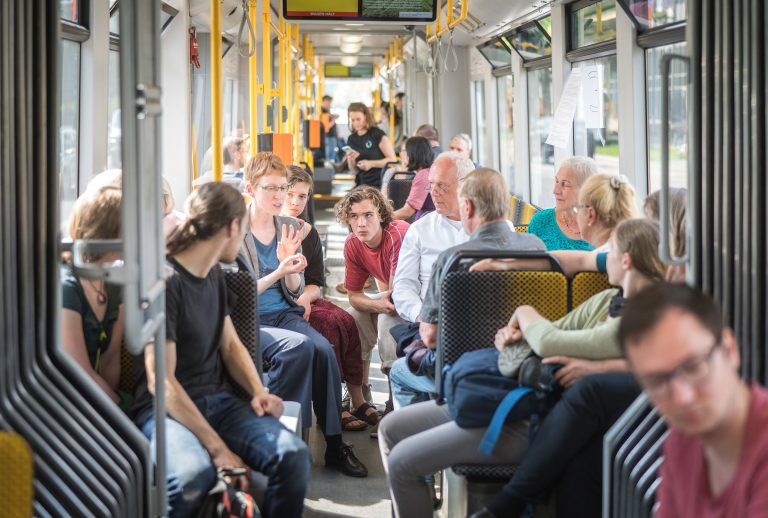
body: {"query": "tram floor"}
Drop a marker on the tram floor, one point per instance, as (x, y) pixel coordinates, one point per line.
(332, 494)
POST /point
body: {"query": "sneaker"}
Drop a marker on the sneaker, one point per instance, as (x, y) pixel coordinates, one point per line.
(345, 461)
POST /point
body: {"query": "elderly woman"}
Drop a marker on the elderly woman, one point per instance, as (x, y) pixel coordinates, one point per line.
(557, 227)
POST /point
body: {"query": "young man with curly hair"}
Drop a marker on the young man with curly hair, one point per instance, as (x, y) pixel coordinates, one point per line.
(372, 249)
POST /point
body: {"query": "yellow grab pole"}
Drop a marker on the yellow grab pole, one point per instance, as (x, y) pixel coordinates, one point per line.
(216, 90)
(194, 156)
(391, 74)
(462, 16)
(320, 84)
(296, 109)
(281, 86)
(253, 98)
(288, 76)
(266, 63)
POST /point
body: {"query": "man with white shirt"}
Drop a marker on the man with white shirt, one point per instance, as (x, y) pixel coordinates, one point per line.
(423, 242)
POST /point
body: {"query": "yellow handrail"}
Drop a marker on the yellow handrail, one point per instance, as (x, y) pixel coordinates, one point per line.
(266, 64)
(462, 15)
(216, 136)
(253, 90)
(288, 75)
(451, 22)
(281, 85)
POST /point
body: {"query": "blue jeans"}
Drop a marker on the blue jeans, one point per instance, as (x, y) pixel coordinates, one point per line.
(262, 442)
(330, 148)
(408, 388)
(318, 381)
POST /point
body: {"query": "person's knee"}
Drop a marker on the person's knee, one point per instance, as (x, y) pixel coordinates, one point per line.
(189, 480)
(402, 466)
(293, 459)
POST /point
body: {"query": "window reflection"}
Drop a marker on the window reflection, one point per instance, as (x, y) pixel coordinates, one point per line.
(678, 116)
(655, 13)
(541, 155)
(478, 88)
(70, 125)
(593, 24)
(602, 144)
(505, 89)
(114, 131)
(69, 10)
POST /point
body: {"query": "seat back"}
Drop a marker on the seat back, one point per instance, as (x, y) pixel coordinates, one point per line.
(514, 208)
(527, 210)
(16, 471)
(127, 371)
(631, 460)
(586, 284)
(475, 305)
(245, 316)
(399, 188)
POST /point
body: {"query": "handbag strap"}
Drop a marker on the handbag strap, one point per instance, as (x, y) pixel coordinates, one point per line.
(499, 417)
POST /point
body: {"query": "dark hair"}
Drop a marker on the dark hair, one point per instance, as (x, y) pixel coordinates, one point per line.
(211, 208)
(362, 193)
(400, 95)
(427, 131)
(646, 309)
(298, 174)
(327, 98)
(419, 153)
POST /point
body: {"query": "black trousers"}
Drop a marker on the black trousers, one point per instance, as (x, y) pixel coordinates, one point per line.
(566, 454)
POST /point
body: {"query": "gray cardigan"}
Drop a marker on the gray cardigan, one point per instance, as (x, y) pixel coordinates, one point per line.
(250, 256)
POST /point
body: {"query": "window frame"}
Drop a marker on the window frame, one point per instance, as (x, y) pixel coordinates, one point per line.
(600, 49)
(487, 43)
(530, 63)
(643, 30)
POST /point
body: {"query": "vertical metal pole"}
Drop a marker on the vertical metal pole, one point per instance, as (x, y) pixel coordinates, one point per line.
(266, 63)
(281, 67)
(216, 135)
(253, 73)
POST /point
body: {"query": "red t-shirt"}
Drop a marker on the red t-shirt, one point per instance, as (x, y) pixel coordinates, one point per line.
(361, 261)
(684, 489)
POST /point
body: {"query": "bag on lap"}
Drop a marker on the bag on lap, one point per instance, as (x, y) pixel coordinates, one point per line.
(478, 395)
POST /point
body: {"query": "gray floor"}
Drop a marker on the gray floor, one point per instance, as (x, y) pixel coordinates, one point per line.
(332, 494)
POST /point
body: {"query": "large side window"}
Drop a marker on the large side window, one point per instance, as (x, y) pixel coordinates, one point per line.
(602, 143)
(505, 88)
(678, 117)
(480, 126)
(541, 155)
(70, 125)
(114, 132)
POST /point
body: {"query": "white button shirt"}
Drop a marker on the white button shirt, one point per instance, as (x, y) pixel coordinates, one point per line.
(423, 242)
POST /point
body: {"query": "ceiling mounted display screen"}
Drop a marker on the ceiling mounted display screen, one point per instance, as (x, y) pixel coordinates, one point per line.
(365, 10)
(363, 70)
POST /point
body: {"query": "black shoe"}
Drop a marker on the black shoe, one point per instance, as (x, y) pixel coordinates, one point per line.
(345, 461)
(482, 513)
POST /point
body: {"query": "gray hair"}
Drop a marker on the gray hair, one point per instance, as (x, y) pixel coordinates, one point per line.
(463, 165)
(583, 167)
(466, 138)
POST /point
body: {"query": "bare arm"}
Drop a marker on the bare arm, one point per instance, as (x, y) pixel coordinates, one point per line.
(404, 212)
(363, 303)
(575, 369)
(574, 261)
(73, 343)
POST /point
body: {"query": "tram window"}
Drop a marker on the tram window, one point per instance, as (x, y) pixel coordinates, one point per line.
(602, 144)
(651, 14)
(678, 115)
(69, 10)
(593, 24)
(114, 131)
(480, 126)
(505, 86)
(541, 154)
(114, 21)
(70, 125)
(530, 41)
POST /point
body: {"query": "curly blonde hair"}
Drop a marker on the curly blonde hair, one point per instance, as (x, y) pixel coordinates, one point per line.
(359, 194)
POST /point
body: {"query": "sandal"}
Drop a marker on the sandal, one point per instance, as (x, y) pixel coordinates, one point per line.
(347, 423)
(372, 418)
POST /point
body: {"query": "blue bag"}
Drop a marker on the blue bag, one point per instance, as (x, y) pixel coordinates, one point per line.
(478, 395)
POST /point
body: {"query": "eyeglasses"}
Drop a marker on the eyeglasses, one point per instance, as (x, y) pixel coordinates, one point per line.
(274, 189)
(577, 207)
(693, 373)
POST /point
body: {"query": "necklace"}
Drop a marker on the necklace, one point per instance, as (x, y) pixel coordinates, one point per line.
(101, 294)
(572, 230)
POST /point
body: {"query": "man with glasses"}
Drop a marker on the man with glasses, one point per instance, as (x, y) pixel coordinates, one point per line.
(716, 454)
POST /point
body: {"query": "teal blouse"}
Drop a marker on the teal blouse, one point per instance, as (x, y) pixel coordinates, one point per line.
(544, 225)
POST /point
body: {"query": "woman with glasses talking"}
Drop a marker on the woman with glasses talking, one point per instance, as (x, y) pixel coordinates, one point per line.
(272, 249)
